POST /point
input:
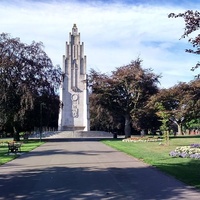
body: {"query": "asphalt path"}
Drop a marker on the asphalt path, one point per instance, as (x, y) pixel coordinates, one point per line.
(86, 169)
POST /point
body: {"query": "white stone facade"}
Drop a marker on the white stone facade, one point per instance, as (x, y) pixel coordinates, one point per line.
(74, 109)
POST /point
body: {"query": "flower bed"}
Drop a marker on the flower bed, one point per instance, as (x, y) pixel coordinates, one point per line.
(142, 139)
(192, 151)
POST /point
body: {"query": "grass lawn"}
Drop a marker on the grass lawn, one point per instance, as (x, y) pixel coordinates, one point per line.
(184, 169)
(26, 147)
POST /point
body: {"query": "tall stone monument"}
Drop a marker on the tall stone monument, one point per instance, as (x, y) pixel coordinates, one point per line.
(74, 109)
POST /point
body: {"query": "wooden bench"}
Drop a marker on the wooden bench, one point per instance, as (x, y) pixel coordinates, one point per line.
(14, 147)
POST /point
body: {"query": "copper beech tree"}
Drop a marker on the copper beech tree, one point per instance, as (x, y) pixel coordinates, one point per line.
(101, 117)
(181, 103)
(192, 24)
(26, 74)
(124, 93)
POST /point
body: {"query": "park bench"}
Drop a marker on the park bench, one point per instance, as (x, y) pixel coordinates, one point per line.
(14, 147)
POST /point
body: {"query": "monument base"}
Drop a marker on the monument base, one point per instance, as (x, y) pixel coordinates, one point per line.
(72, 128)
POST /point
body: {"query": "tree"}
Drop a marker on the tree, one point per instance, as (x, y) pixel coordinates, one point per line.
(164, 118)
(192, 24)
(45, 113)
(125, 92)
(103, 119)
(181, 102)
(26, 73)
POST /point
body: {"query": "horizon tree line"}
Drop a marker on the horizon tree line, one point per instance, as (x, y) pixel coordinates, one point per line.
(126, 101)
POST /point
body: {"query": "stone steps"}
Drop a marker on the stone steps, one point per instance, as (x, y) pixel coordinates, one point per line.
(74, 134)
(82, 134)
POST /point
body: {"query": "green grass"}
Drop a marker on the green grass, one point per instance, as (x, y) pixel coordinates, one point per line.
(184, 169)
(26, 147)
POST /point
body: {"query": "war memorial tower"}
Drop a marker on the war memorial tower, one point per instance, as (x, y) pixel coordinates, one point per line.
(74, 109)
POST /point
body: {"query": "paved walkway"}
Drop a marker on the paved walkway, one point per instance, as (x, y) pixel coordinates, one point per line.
(86, 169)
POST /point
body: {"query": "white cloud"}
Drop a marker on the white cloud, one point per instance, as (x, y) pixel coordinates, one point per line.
(114, 34)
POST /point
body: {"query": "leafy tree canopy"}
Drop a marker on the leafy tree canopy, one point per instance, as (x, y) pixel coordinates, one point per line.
(26, 72)
(125, 92)
(181, 102)
(192, 24)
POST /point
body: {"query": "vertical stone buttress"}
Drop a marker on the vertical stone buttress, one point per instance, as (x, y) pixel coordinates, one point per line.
(74, 109)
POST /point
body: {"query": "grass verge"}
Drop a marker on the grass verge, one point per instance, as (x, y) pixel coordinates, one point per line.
(184, 169)
(26, 147)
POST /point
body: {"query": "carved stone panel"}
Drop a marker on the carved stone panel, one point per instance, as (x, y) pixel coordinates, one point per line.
(75, 98)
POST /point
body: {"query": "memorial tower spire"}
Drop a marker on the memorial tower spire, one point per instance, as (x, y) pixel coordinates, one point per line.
(74, 112)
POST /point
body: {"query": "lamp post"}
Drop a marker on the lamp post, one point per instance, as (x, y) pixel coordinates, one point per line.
(41, 106)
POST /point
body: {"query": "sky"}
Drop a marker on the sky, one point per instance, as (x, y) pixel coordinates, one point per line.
(114, 32)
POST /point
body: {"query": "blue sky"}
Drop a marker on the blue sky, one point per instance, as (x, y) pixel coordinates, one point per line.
(114, 32)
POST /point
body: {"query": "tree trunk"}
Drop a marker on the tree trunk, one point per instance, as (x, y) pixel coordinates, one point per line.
(127, 128)
(16, 136)
(180, 131)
